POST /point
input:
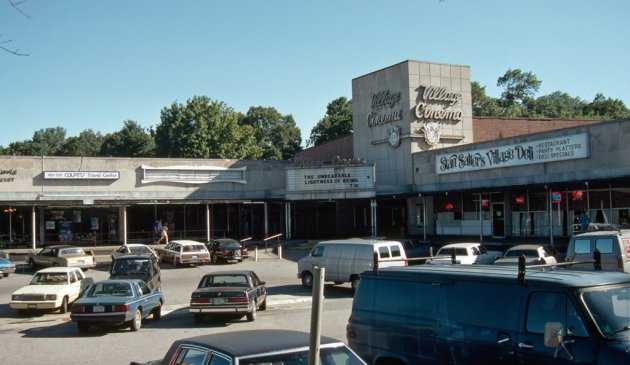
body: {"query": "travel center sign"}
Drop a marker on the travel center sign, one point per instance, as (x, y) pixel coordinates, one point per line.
(533, 152)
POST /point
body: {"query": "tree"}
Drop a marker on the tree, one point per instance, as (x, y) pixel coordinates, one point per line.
(555, 105)
(518, 86)
(16, 52)
(88, 143)
(602, 107)
(277, 135)
(131, 141)
(45, 142)
(483, 105)
(336, 123)
(204, 128)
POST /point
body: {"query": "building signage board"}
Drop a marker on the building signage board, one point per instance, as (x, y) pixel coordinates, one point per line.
(332, 178)
(82, 175)
(533, 152)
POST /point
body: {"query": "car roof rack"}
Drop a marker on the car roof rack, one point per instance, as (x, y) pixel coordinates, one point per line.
(522, 267)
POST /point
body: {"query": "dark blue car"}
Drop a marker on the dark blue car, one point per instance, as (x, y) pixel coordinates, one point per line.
(115, 302)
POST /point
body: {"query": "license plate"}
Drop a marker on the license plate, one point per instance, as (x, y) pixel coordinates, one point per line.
(195, 256)
(98, 309)
(219, 301)
(32, 306)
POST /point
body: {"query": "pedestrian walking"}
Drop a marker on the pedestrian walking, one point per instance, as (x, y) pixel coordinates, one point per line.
(164, 234)
(584, 221)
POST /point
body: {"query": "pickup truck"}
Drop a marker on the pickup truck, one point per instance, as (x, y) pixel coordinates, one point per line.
(61, 255)
(50, 289)
(466, 254)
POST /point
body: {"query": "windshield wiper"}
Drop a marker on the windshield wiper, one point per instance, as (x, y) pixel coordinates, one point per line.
(625, 328)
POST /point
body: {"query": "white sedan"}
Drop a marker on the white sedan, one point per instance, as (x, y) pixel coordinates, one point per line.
(465, 254)
(534, 255)
(50, 289)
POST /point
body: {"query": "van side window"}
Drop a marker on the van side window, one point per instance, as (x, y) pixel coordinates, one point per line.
(395, 251)
(318, 251)
(582, 246)
(383, 252)
(547, 307)
(604, 245)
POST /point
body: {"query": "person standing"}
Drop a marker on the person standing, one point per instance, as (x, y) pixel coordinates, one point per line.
(584, 221)
(164, 234)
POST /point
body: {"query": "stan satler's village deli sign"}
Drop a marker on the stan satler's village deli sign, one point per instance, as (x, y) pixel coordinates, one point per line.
(532, 152)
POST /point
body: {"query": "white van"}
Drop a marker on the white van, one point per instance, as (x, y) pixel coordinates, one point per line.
(345, 260)
(613, 246)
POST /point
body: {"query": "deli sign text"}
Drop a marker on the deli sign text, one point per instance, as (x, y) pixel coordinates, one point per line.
(547, 150)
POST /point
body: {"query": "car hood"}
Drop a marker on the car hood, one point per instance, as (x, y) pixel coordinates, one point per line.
(41, 289)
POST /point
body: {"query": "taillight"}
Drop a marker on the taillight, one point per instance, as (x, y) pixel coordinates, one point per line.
(199, 300)
(78, 309)
(120, 308)
(238, 300)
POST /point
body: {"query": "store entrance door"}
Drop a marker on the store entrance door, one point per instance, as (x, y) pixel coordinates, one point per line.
(498, 220)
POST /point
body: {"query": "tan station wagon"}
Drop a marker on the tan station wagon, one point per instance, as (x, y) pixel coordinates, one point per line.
(187, 252)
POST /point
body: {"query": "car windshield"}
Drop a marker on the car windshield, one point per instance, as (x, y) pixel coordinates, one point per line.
(223, 280)
(192, 248)
(140, 250)
(517, 253)
(459, 251)
(71, 251)
(229, 245)
(55, 278)
(110, 289)
(327, 356)
(131, 266)
(610, 308)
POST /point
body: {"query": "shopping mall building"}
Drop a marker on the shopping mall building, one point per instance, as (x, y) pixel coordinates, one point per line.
(418, 164)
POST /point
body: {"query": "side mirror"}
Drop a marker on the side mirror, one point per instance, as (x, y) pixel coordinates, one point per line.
(553, 334)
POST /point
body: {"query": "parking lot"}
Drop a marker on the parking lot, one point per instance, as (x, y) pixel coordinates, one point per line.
(53, 338)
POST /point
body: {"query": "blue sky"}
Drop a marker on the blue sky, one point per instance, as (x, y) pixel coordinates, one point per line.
(95, 64)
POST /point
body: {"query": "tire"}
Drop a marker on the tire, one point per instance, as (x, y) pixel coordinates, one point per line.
(174, 262)
(251, 316)
(136, 321)
(199, 317)
(64, 306)
(215, 259)
(157, 312)
(355, 283)
(240, 260)
(263, 305)
(307, 280)
(83, 327)
(6, 275)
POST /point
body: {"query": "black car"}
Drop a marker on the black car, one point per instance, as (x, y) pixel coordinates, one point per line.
(225, 249)
(235, 292)
(145, 268)
(256, 347)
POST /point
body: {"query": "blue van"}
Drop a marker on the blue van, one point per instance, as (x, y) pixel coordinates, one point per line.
(490, 315)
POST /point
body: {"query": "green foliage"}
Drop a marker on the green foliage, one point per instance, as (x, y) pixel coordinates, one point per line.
(45, 142)
(276, 135)
(88, 143)
(517, 100)
(131, 141)
(336, 123)
(203, 128)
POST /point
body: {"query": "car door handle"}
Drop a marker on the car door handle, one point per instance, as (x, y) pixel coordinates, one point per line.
(527, 346)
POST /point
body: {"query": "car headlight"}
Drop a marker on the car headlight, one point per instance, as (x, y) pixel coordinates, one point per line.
(51, 296)
(16, 297)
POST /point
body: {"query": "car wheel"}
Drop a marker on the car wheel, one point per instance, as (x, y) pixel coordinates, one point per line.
(263, 305)
(136, 321)
(174, 262)
(64, 306)
(157, 313)
(251, 316)
(199, 317)
(83, 327)
(307, 280)
(240, 260)
(355, 283)
(6, 275)
(215, 259)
